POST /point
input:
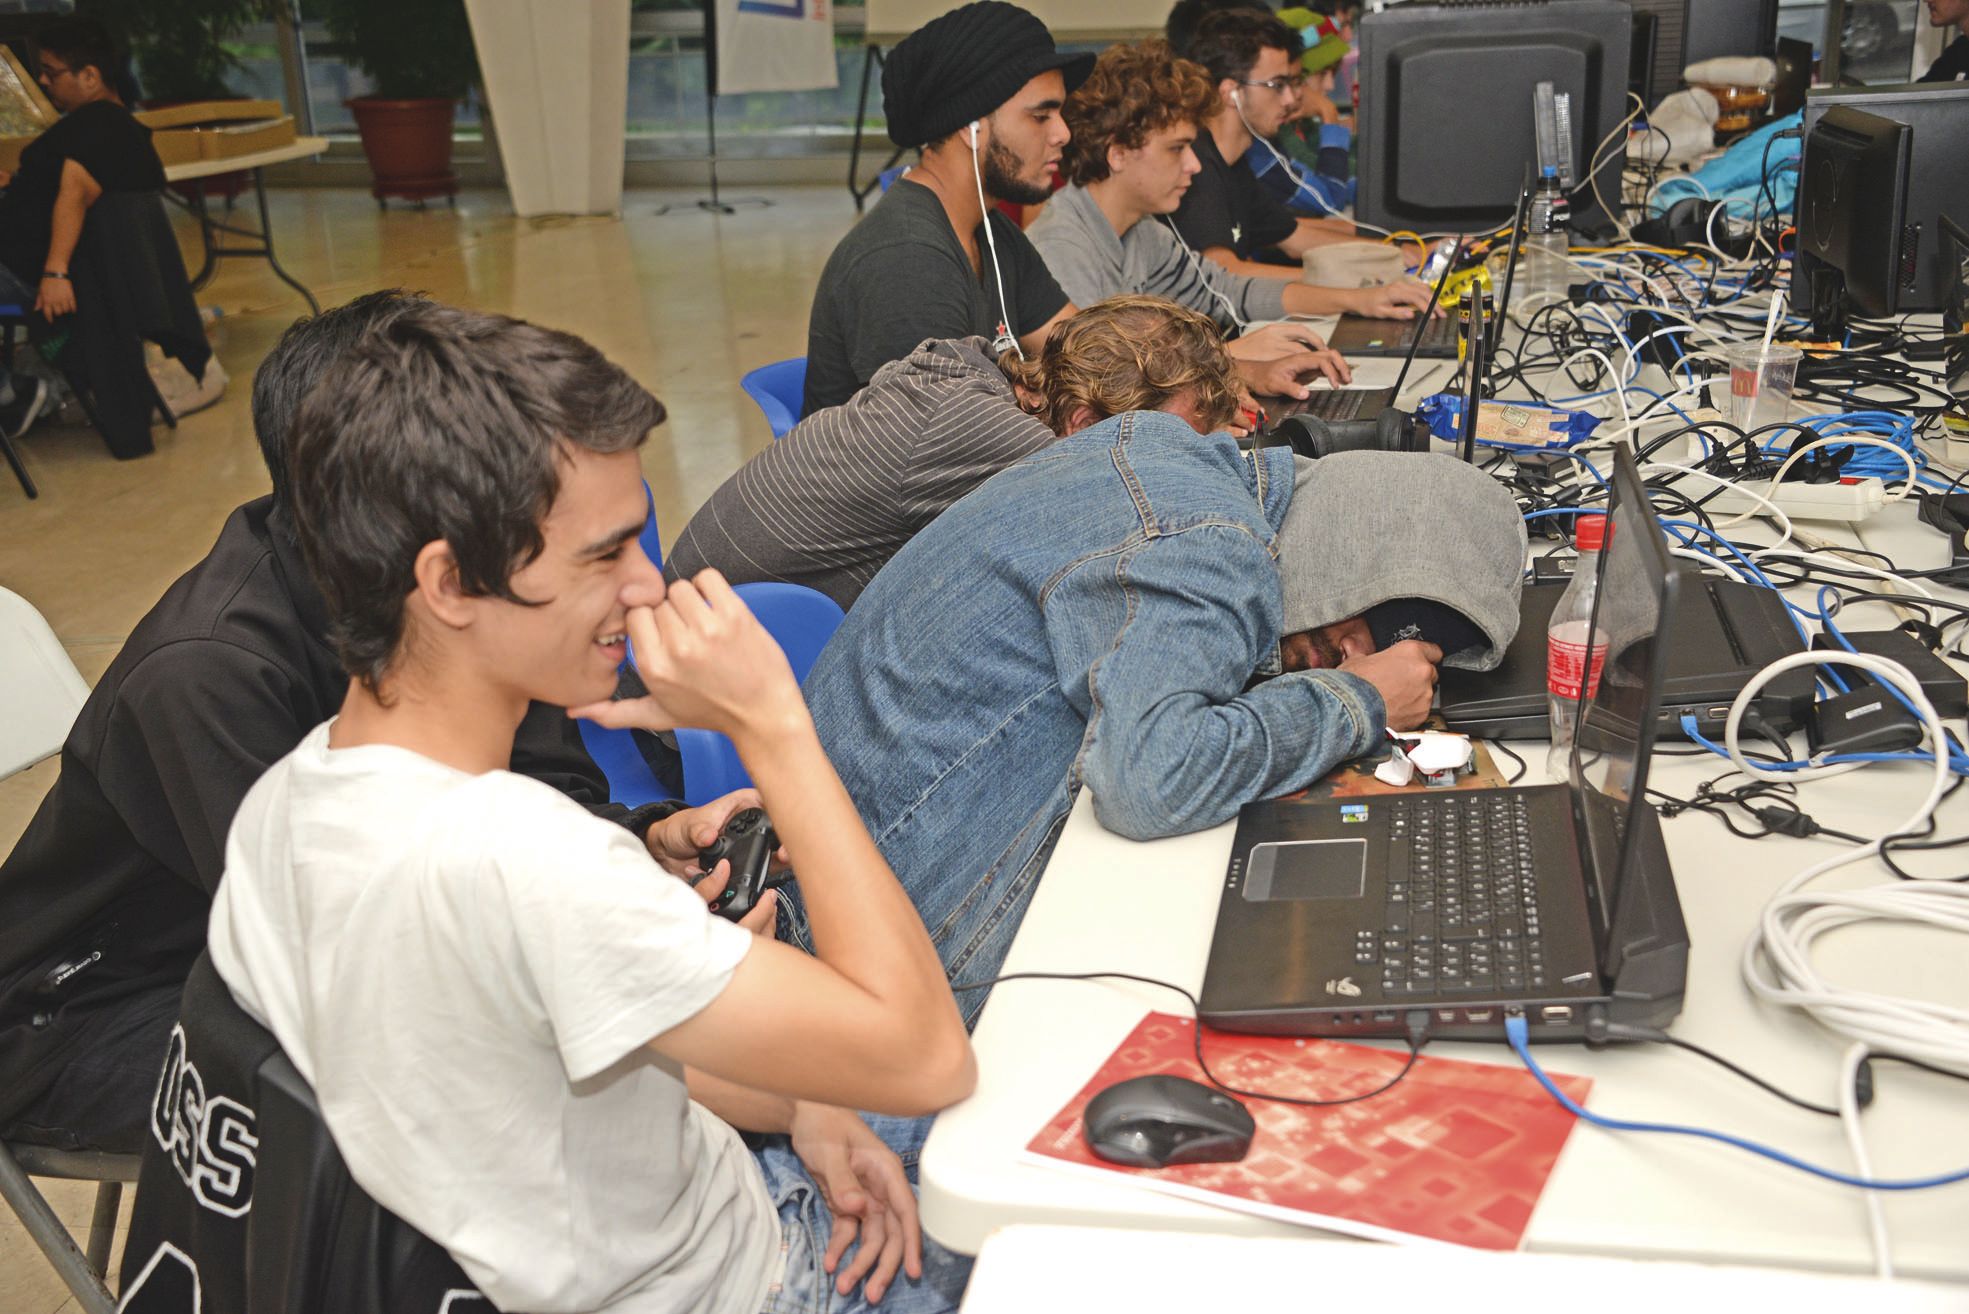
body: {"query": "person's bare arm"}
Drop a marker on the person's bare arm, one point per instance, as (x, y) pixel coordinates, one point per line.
(79, 191)
(1403, 299)
(1318, 232)
(868, 1020)
(1032, 343)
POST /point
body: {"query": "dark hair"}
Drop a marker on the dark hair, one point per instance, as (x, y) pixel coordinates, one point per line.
(1133, 91)
(441, 423)
(1187, 14)
(1229, 43)
(82, 42)
(305, 351)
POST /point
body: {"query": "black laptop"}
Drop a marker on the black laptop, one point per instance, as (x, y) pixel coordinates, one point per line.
(1443, 911)
(1725, 632)
(1363, 335)
(1366, 403)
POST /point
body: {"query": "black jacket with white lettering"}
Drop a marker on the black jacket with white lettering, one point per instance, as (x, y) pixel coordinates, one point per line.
(108, 891)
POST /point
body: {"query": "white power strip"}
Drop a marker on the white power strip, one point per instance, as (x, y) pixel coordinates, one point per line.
(1849, 499)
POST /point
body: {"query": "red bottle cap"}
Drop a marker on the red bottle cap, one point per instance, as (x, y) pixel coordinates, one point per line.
(1589, 532)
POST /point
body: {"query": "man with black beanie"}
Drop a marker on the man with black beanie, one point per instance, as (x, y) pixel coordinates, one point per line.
(979, 91)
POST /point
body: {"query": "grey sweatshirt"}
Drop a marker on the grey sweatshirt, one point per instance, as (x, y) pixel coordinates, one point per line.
(1092, 264)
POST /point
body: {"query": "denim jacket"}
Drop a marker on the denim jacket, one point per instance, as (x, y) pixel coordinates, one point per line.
(1093, 615)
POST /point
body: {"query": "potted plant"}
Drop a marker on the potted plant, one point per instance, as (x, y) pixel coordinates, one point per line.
(419, 53)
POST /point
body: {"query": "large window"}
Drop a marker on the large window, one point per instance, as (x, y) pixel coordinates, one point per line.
(1877, 37)
(667, 108)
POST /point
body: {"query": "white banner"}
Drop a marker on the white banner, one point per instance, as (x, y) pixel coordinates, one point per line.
(775, 45)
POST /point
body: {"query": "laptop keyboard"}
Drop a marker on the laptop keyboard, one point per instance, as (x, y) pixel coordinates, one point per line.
(1462, 909)
(1342, 403)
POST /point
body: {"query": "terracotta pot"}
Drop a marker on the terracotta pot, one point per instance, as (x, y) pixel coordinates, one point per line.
(408, 143)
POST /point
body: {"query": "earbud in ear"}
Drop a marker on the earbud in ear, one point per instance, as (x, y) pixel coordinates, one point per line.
(1237, 98)
(974, 134)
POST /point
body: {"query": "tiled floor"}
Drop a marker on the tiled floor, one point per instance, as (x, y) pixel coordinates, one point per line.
(686, 302)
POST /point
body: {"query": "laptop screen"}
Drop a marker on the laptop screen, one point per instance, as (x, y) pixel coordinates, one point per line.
(1618, 722)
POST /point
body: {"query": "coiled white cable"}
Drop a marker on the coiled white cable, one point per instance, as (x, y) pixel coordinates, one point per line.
(1777, 960)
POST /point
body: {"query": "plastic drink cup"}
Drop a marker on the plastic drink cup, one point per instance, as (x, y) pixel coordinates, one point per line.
(1761, 380)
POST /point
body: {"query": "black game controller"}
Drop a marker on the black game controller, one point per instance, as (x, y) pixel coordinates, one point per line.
(748, 842)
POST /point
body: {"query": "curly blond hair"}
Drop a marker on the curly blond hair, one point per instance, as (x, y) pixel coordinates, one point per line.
(1129, 353)
(1133, 91)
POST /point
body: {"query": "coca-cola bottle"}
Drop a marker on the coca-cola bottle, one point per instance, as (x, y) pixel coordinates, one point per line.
(1574, 651)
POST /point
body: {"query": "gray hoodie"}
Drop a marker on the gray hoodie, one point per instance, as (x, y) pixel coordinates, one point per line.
(1461, 537)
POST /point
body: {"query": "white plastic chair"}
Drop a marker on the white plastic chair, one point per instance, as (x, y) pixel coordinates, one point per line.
(40, 690)
(41, 693)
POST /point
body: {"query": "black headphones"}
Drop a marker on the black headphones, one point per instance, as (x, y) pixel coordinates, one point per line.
(1311, 437)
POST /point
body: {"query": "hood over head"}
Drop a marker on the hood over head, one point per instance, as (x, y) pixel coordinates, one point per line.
(1366, 528)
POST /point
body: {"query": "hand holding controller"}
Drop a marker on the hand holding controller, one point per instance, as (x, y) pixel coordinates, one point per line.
(748, 842)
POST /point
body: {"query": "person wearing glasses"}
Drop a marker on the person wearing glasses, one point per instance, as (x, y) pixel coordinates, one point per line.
(95, 147)
(1228, 215)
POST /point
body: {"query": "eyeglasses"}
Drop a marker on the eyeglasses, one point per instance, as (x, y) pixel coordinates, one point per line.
(1279, 86)
(51, 71)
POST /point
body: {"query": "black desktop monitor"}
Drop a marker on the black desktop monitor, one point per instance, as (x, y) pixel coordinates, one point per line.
(1446, 124)
(1852, 218)
(1937, 116)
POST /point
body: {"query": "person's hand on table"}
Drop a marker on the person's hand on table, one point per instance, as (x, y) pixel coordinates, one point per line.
(1285, 376)
(1404, 674)
(56, 298)
(707, 663)
(863, 1183)
(1402, 299)
(1268, 341)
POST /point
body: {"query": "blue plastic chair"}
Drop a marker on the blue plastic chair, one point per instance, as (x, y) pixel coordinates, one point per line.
(802, 620)
(630, 780)
(779, 388)
(888, 176)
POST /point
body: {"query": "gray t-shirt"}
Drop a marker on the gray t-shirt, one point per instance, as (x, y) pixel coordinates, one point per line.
(901, 276)
(830, 503)
(1092, 264)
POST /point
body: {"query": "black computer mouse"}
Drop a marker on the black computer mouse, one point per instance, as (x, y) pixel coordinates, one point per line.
(1160, 1120)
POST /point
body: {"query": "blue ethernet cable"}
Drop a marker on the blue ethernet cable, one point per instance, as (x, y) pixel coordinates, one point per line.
(1517, 1031)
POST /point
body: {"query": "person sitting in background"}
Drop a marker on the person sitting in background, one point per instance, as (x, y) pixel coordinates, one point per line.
(526, 1042)
(830, 503)
(104, 899)
(96, 146)
(1228, 214)
(1952, 65)
(978, 92)
(1310, 166)
(1130, 163)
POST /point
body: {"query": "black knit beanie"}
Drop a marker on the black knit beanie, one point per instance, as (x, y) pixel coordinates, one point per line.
(963, 65)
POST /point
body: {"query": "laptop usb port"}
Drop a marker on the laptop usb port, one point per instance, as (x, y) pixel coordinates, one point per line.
(1555, 1013)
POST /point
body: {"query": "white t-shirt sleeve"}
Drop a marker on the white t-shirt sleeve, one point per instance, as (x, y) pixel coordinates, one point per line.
(610, 949)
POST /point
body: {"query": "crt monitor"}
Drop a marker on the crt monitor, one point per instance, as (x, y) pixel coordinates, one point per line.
(1936, 115)
(1446, 123)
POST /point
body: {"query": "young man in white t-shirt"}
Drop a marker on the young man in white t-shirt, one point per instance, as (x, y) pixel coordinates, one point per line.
(527, 1040)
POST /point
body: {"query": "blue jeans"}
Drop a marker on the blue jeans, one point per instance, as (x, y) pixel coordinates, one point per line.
(805, 1224)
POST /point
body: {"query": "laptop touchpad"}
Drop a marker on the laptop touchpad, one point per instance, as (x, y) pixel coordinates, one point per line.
(1306, 869)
